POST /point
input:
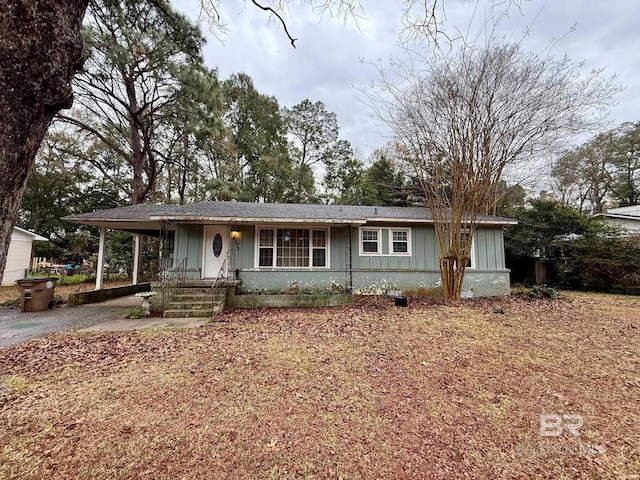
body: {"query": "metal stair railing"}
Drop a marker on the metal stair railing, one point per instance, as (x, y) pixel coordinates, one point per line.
(171, 278)
(217, 284)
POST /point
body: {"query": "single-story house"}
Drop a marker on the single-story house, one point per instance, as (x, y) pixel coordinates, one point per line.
(19, 255)
(276, 247)
(627, 218)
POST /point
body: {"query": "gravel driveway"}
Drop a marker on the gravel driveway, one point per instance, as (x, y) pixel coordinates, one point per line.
(18, 327)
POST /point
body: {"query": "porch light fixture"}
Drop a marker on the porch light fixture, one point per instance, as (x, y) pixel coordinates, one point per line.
(235, 234)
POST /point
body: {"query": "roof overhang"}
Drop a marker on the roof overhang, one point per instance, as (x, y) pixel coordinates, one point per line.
(254, 220)
(495, 223)
(153, 223)
(143, 227)
(34, 236)
(622, 216)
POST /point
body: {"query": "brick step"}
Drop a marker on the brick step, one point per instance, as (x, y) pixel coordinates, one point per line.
(195, 298)
(193, 291)
(194, 313)
(206, 291)
(191, 304)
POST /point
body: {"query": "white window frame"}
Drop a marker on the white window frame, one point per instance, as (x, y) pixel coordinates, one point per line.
(361, 241)
(275, 229)
(258, 247)
(472, 258)
(325, 248)
(400, 254)
(473, 254)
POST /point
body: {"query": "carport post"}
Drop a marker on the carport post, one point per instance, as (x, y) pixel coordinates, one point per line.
(100, 269)
(136, 258)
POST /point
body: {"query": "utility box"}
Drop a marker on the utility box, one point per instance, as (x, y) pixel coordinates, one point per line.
(37, 293)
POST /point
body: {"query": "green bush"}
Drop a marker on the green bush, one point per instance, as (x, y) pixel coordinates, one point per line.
(543, 291)
(580, 251)
(607, 264)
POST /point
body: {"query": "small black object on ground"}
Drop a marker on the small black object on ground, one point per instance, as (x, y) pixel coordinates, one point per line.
(401, 301)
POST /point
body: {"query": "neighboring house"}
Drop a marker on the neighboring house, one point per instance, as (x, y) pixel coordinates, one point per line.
(275, 247)
(19, 255)
(625, 217)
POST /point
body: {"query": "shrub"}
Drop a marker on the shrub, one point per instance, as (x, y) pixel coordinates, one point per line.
(607, 264)
(543, 291)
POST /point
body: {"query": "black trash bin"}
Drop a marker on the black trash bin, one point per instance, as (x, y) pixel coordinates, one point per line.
(37, 293)
(401, 301)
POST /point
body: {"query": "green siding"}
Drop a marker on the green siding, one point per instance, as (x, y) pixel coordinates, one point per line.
(385, 241)
(385, 271)
(480, 242)
(245, 248)
(423, 252)
(488, 244)
(242, 251)
(188, 245)
(337, 256)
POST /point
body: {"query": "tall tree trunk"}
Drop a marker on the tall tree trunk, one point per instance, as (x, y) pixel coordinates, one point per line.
(139, 192)
(40, 51)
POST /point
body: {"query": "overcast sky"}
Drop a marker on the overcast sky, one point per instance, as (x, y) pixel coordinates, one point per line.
(326, 65)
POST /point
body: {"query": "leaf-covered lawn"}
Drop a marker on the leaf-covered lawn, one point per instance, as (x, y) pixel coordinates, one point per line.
(367, 391)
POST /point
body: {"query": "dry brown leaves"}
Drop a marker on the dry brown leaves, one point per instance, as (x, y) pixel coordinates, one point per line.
(365, 391)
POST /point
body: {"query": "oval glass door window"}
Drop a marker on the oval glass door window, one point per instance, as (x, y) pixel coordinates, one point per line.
(217, 245)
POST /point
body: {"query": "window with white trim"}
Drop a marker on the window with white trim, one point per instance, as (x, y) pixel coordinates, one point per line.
(370, 241)
(266, 246)
(472, 258)
(400, 241)
(292, 247)
(319, 248)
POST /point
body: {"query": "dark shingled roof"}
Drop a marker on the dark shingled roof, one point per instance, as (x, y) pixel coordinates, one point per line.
(140, 212)
(265, 212)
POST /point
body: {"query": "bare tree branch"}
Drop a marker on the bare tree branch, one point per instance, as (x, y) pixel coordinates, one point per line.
(277, 15)
(466, 117)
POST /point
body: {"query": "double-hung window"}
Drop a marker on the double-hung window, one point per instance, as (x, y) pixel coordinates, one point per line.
(385, 241)
(292, 247)
(400, 242)
(464, 237)
(319, 248)
(266, 246)
(370, 241)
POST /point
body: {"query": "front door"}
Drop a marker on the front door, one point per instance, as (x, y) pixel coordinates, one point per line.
(216, 247)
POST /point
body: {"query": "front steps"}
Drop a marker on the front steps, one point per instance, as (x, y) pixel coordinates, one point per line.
(188, 302)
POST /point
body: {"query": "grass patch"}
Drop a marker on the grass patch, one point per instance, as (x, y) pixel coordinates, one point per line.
(74, 279)
(433, 390)
(136, 313)
(11, 303)
(19, 384)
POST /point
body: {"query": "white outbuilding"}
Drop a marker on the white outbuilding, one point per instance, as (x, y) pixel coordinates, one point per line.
(626, 217)
(19, 255)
